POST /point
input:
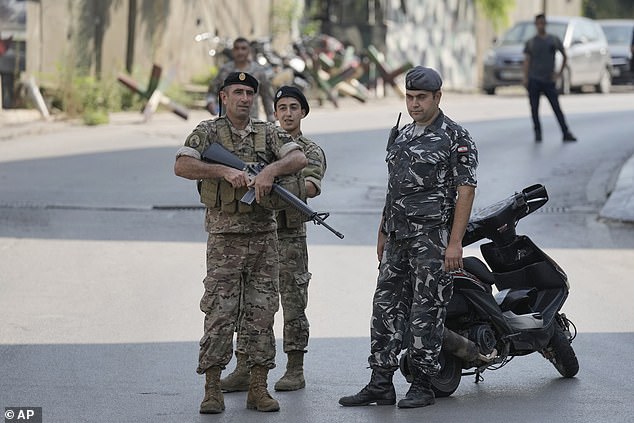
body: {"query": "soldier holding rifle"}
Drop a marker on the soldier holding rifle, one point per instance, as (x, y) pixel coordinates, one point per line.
(242, 249)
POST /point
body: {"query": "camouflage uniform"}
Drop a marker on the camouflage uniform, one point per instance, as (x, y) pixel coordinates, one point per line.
(413, 289)
(293, 253)
(242, 250)
(264, 89)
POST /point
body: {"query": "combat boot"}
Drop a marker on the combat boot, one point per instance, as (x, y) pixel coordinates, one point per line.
(379, 391)
(258, 397)
(213, 402)
(238, 380)
(420, 393)
(293, 379)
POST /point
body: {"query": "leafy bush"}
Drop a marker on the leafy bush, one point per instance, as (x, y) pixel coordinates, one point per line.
(84, 95)
(205, 78)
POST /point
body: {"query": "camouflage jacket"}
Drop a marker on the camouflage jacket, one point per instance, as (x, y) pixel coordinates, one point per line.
(424, 171)
(313, 172)
(277, 144)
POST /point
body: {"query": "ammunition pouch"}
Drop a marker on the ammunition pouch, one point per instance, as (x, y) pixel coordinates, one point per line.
(290, 219)
(208, 189)
(293, 183)
(219, 194)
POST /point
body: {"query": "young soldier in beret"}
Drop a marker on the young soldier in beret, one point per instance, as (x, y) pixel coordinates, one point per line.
(242, 251)
(290, 108)
(431, 186)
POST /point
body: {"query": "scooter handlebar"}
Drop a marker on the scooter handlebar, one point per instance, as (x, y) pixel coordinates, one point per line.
(498, 221)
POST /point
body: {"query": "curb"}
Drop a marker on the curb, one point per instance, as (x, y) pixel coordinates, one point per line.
(620, 203)
(23, 122)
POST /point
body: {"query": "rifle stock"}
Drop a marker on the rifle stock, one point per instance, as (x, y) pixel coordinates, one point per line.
(217, 154)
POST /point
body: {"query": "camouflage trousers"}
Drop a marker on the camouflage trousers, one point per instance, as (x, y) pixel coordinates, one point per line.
(410, 302)
(293, 283)
(240, 286)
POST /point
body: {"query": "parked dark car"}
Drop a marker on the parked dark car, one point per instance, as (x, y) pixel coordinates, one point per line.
(619, 33)
(588, 63)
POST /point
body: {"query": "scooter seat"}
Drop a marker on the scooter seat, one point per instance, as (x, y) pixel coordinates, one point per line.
(476, 267)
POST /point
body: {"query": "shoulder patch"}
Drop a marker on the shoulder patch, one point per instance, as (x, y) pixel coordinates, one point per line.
(284, 136)
(194, 139)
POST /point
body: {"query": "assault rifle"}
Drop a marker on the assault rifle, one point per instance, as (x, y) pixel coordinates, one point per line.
(217, 154)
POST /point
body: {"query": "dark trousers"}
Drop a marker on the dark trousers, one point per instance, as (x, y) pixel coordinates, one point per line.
(535, 89)
(410, 302)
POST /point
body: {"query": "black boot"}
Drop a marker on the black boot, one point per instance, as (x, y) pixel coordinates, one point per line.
(420, 393)
(379, 391)
(568, 137)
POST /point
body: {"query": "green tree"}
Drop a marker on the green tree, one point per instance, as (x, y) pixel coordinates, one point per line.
(497, 11)
(608, 9)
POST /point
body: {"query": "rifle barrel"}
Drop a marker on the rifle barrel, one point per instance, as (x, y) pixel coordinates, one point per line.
(304, 208)
(319, 221)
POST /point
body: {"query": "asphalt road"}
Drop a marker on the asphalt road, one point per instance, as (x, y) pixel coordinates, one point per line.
(102, 257)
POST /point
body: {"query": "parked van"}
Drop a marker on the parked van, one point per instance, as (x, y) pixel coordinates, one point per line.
(588, 63)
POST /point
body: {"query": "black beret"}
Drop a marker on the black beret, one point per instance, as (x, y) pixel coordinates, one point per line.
(288, 91)
(242, 78)
(421, 78)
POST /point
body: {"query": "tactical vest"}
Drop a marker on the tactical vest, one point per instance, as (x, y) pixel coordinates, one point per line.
(220, 194)
(291, 218)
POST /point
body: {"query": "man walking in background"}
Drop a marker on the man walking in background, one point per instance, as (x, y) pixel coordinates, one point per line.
(540, 76)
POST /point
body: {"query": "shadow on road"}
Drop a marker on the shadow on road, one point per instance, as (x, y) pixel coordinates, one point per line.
(156, 382)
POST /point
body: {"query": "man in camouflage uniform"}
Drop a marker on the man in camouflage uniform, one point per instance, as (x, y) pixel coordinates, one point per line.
(242, 62)
(242, 251)
(431, 186)
(291, 107)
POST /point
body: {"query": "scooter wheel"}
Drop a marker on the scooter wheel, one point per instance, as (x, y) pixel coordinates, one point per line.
(448, 378)
(446, 381)
(559, 352)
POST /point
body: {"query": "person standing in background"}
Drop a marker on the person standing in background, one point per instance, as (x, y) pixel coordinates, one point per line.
(540, 76)
(241, 53)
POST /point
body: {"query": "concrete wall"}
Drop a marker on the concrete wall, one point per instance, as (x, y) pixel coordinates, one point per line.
(67, 34)
(435, 33)
(452, 36)
(62, 35)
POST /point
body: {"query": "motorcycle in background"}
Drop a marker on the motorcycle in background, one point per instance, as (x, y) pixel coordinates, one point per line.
(218, 46)
(282, 70)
